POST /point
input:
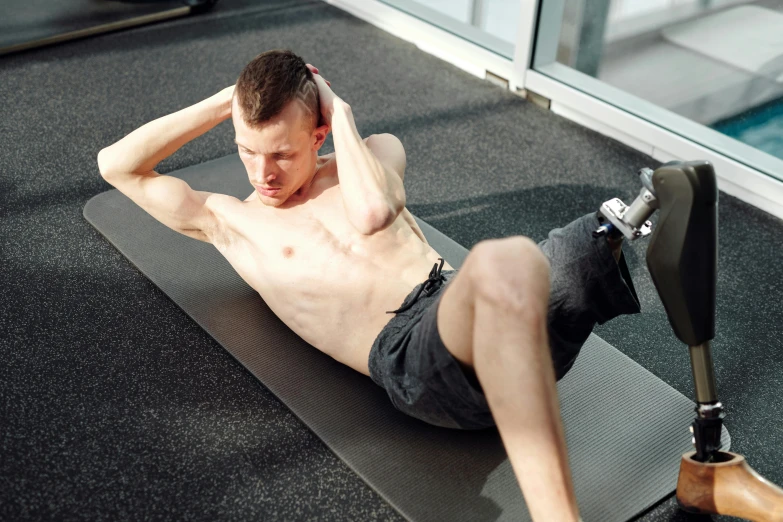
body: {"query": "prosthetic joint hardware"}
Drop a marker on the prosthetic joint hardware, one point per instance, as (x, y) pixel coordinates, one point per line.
(683, 264)
(688, 189)
(630, 221)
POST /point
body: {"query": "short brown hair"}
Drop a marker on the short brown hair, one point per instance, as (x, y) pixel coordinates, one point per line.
(272, 80)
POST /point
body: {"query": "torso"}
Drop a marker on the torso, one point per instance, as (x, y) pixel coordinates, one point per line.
(329, 283)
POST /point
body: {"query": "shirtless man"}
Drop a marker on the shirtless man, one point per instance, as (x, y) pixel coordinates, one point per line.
(329, 245)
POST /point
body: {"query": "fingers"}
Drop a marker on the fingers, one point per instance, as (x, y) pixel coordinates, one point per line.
(314, 70)
(327, 82)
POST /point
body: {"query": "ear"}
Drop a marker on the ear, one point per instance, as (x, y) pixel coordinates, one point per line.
(319, 134)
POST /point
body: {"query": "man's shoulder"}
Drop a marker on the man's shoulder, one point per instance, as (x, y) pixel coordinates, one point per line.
(218, 203)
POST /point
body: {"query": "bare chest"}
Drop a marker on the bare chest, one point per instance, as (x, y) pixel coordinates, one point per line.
(328, 282)
(271, 247)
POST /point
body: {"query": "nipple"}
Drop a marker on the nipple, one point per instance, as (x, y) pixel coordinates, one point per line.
(288, 252)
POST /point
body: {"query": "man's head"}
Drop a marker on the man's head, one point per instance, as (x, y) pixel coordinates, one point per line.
(276, 116)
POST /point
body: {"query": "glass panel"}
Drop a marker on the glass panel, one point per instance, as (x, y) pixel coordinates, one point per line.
(709, 70)
(492, 24)
(500, 17)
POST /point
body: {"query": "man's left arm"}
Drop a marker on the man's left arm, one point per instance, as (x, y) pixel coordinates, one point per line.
(371, 171)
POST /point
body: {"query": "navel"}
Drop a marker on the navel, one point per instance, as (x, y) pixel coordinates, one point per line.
(288, 252)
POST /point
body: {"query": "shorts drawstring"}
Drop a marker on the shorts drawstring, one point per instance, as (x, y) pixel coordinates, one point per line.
(428, 287)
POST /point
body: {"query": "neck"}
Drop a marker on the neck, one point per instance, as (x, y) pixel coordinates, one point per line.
(305, 188)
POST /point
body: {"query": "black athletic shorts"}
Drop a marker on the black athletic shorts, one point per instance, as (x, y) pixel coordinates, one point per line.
(421, 377)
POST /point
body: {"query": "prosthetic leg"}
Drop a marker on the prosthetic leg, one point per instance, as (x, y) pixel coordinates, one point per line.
(682, 259)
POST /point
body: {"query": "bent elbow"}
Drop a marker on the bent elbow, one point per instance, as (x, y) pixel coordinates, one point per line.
(103, 162)
(378, 219)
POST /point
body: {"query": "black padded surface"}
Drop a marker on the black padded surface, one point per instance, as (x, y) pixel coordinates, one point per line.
(625, 428)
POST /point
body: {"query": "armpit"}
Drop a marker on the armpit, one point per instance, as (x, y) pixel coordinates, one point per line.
(219, 230)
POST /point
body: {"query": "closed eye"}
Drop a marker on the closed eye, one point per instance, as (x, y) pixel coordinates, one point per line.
(277, 156)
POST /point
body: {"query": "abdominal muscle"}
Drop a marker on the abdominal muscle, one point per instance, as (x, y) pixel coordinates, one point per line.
(326, 281)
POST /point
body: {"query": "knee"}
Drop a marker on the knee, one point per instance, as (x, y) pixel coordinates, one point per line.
(511, 272)
(495, 258)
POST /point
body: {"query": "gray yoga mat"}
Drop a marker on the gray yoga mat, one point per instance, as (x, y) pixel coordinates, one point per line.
(626, 429)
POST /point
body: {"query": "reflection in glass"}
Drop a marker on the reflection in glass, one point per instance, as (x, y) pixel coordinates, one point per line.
(489, 23)
(718, 63)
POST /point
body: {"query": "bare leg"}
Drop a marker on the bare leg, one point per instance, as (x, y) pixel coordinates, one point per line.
(493, 317)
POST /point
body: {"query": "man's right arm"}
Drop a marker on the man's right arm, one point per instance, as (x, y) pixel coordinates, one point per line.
(141, 150)
(128, 165)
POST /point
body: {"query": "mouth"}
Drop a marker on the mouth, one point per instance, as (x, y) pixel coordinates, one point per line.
(267, 191)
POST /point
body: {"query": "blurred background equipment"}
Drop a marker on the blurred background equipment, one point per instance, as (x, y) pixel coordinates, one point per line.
(34, 23)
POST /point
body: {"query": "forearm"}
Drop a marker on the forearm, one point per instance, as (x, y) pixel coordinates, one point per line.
(364, 181)
(141, 150)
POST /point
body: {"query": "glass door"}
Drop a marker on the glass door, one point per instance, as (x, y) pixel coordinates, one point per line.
(710, 71)
(492, 24)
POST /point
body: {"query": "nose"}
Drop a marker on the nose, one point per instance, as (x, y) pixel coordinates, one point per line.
(265, 170)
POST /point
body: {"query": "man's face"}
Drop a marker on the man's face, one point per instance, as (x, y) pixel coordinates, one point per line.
(281, 155)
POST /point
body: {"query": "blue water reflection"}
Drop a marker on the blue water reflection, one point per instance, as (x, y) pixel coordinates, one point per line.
(760, 127)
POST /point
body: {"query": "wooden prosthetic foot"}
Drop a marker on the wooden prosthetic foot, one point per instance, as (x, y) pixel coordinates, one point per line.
(728, 486)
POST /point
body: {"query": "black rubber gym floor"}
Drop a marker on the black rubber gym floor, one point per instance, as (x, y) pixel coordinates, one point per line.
(114, 404)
